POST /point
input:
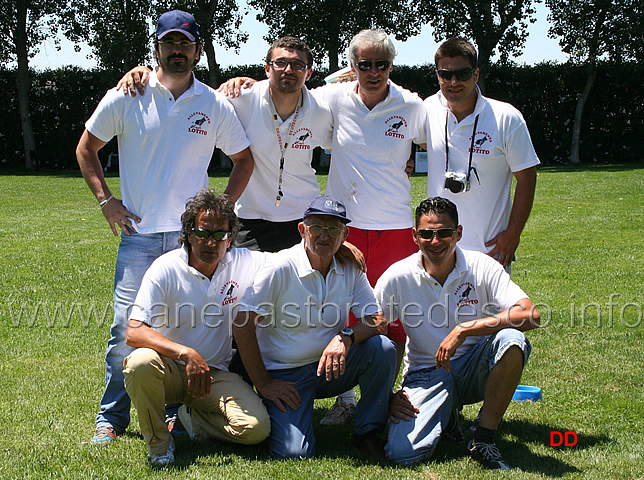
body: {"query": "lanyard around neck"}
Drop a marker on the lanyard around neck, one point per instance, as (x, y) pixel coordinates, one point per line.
(469, 166)
(283, 145)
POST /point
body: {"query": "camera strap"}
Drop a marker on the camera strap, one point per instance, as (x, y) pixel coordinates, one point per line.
(469, 166)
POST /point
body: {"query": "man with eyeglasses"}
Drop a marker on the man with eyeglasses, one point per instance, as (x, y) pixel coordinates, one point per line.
(475, 146)
(166, 139)
(464, 319)
(180, 326)
(290, 335)
(284, 123)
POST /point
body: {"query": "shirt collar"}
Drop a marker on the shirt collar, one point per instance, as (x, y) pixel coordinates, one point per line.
(303, 265)
(222, 265)
(481, 101)
(460, 265)
(197, 88)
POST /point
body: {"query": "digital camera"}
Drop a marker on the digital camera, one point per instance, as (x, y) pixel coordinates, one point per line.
(456, 182)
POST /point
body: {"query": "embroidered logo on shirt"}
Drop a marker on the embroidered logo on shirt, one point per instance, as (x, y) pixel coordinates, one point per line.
(301, 136)
(463, 293)
(198, 123)
(229, 292)
(393, 126)
(481, 139)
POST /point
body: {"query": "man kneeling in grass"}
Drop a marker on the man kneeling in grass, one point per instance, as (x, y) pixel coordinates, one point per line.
(291, 338)
(181, 327)
(464, 318)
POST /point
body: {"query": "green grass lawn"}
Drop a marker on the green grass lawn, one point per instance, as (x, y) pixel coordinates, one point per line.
(580, 260)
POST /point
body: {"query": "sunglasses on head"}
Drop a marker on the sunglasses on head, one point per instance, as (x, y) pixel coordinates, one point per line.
(428, 233)
(462, 74)
(205, 234)
(365, 65)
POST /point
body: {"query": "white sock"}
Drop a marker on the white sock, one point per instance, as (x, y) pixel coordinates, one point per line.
(348, 397)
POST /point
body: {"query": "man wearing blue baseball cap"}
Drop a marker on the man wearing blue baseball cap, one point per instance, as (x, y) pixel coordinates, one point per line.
(166, 138)
(293, 338)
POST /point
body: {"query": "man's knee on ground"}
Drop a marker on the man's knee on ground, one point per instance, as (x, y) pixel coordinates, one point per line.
(251, 429)
(403, 452)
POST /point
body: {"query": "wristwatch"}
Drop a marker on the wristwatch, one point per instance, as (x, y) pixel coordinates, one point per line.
(348, 332)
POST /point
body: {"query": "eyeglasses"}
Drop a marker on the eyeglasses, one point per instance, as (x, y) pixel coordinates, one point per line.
(333, 231)
(205, 234)
(428, 233)
(462, 74)
(282, 64)
(182, 44)
(365, 65)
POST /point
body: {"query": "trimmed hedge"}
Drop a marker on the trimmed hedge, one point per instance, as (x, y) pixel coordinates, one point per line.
(546, 94)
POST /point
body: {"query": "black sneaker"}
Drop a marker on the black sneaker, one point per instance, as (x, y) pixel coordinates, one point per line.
(488, 455)
(453, 432)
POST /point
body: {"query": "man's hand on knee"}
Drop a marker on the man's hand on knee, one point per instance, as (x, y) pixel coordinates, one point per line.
(401, 408)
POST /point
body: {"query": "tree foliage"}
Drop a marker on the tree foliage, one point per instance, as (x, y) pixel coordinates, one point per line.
(219, 22)
(25, 25)
(328, 25)
(589, 30)
(491, 24)
(117, 31)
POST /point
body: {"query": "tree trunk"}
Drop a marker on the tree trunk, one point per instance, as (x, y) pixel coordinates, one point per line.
(23, 85)
(484, 64)
(213, 66)
(579, 111)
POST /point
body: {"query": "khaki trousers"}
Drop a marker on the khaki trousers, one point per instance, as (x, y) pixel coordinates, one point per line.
(231, 413)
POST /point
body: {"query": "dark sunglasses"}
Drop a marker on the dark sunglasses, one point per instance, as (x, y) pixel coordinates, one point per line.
(205, 234)
(462, 75)
(428, 233)
(365, 65)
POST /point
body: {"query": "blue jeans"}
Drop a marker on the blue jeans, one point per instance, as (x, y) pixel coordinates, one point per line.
(437, 394)
(370, 364)
(136, 254)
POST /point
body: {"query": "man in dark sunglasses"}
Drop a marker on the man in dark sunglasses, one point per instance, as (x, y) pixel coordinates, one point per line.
(465, 320)
(180, 326)
(476, 146)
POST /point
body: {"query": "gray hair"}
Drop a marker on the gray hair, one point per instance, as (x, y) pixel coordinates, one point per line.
(371, 38)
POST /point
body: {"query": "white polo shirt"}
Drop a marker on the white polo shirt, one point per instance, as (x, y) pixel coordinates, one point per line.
(302, 310)
(502, 146)
(429, 311)
(165, 146)
(188, 308)
(312, 128)
(370, 151)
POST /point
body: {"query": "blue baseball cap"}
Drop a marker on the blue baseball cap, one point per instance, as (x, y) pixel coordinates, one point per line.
(327, 206)
(178, 21)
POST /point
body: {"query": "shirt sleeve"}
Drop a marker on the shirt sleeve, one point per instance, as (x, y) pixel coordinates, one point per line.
(520, 153)
(364, 300)
(150, 305)
(107, 120)
(387, 297)
(231, 136)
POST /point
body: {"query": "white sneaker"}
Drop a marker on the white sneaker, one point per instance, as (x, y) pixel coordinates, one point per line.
(164, 459)
(186, 420)
(340, 413)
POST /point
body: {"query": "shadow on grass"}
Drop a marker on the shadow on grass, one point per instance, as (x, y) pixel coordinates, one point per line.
(334, 442)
